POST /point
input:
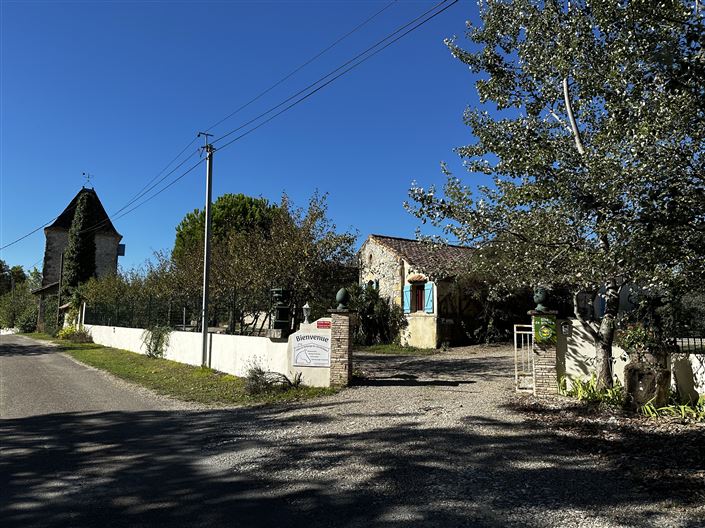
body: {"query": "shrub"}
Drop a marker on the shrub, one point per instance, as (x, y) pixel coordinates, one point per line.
(379, 320)
(156, 340)
(75, 335)
(260, 381)
(588, 392)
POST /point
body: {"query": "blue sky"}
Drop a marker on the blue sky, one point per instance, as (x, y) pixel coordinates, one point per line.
(117, 89)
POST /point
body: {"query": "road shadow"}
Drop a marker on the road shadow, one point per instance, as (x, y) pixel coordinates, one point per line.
(271, 466)
(9, 346)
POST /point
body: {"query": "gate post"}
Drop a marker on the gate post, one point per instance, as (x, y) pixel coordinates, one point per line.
(544, 348)
(341, 348)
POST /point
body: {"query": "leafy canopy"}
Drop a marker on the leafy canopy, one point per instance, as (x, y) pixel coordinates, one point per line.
(618, 195)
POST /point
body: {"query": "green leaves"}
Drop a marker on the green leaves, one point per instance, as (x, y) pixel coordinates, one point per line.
(633, 206)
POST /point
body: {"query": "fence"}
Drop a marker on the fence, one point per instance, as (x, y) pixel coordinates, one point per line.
(183, 313)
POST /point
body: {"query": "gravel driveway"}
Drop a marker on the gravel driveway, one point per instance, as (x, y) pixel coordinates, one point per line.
(422, 441)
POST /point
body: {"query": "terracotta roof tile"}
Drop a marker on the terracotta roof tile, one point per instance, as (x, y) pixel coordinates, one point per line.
(430, 258)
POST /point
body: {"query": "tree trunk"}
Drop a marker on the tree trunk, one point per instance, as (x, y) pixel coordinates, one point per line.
(605, 336)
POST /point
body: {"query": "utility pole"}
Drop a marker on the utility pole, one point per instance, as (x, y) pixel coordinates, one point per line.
(209, 149)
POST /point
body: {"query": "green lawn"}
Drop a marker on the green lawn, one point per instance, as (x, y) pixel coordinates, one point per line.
(184, 382)
(397, 350)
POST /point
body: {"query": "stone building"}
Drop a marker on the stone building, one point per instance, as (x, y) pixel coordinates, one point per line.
(107, 245)
(407, 273)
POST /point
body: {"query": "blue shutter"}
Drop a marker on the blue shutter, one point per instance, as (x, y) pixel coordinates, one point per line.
(406, 299)
(428, 297)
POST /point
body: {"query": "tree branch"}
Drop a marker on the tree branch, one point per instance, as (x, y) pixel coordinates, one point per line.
(586, 324)
(571, 118)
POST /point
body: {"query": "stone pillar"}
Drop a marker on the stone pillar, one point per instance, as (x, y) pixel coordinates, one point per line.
(545, 372)
(341, 348)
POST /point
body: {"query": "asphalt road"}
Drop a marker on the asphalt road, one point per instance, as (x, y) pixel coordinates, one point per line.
(35, 379)
(419, 442)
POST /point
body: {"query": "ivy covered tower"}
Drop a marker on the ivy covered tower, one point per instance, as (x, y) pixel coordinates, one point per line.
(107, 243)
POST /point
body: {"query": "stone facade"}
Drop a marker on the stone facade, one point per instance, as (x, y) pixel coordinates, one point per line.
(384, 268)
(341, 349)
(107, 240)
(106, 254)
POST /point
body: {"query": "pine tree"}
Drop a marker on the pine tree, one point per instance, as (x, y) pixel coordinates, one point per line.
(79, 257)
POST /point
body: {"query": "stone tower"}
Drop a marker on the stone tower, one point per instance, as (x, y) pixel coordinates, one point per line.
(107, 245)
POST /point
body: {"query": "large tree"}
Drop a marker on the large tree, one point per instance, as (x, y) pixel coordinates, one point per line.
(229, 213)
(593, 131)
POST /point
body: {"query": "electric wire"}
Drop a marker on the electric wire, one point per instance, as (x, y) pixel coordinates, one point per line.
(351, 67)
(224, 145)
(144, 189)
(342, 66)
(122, 212)
(302, 66)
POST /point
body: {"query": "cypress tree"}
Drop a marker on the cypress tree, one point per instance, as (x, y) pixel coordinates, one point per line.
(79, 257)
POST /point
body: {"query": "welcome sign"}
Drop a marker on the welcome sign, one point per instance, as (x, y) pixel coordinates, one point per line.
(311, 350)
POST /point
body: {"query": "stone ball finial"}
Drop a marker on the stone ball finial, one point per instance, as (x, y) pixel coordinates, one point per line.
(343, 298)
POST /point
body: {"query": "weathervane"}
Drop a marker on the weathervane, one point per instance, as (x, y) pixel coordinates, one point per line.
(88, 177)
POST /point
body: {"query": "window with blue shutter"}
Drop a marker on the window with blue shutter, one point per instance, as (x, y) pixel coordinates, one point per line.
(428, 297)
(406, 299)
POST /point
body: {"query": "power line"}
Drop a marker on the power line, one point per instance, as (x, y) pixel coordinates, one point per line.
(378, 43)
(144, 190)
(302, 66)
(224, 145)
(413, 28)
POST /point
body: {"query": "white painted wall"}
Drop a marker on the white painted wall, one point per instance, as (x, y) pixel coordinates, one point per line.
(231, 354)
(576, 359)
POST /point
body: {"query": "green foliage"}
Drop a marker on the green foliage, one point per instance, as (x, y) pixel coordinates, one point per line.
(260, 381)
(595, 150)
(686, 412)
(202, 385)
(75, 335)
(230, 213)
(156, 340)
(380, 321)
(588, 391)
(18, 308)
(396, 349)
(79, 256)
(639, 341)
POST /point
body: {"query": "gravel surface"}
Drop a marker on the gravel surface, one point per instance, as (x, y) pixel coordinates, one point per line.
(420, 441)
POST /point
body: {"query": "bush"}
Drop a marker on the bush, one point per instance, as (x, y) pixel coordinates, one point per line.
(156, 340)
(18, 308)
(587, 391)
(380, 321)
(75, 335)
(260, 381)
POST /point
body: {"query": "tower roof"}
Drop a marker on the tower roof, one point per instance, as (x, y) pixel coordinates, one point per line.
(103, 223)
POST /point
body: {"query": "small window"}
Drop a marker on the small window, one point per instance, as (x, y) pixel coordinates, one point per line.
(417, 294)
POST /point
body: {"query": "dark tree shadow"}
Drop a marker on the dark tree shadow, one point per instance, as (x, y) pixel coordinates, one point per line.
(267, 466)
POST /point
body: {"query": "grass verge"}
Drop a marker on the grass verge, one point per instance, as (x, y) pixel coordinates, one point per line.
(183, 382)
(397, 350)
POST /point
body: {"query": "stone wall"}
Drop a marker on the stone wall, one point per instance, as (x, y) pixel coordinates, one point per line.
(379, 263)
(341, 349)
(545, 375)
(56, 241)
(106, 247)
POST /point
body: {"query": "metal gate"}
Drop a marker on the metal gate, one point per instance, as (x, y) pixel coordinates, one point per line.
(523, 357)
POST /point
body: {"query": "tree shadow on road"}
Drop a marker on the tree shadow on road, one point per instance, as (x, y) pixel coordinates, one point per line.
(269, 466)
